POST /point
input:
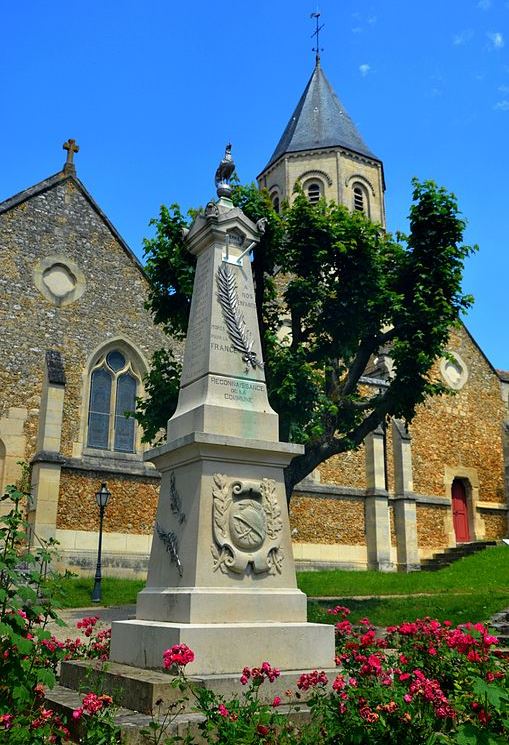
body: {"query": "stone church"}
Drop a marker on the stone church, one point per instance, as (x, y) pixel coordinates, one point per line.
(74, 351)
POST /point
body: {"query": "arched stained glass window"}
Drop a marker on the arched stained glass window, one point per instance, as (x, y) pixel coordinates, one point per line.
(99, 409)
(126, 403)
(113, 390)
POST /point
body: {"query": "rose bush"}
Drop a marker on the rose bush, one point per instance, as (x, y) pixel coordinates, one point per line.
(418, 683)
(421, 682)
(29, 653)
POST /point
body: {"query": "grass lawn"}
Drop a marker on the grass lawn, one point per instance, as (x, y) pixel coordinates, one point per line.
(77, 591)
(471, 589)
(485, 572)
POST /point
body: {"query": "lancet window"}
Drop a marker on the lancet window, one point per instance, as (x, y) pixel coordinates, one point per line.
(113, 390)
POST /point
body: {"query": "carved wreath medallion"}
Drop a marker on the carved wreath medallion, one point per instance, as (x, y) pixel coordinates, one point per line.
(247, 525)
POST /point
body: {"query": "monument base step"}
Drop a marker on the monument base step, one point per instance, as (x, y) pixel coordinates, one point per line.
(213, 605)
(138, 690)
(131, 723)
(225, 648)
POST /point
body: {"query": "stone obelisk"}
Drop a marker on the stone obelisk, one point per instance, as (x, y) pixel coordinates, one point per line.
(221, 576)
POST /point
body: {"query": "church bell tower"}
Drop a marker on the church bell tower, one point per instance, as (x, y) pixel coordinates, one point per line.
(322, 148)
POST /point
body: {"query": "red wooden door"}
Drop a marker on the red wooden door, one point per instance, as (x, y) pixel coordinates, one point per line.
(460, 511)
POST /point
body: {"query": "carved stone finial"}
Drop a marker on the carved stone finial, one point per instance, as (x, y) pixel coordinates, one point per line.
(224, 173)
(71, 148)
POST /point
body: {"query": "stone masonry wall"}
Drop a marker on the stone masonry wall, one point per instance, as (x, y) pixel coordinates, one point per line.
(131, 507)
(346, 469)
(462, 430)
(496, 525)
(61, 221)
(431, 531)
(327, 521)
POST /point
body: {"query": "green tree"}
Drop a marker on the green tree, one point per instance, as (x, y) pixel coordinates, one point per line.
(345, 289)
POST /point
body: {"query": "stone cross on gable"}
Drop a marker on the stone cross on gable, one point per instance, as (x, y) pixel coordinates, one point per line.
(71, 148)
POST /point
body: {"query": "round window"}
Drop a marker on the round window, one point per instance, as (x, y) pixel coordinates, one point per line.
(454, 371)
(115, 360)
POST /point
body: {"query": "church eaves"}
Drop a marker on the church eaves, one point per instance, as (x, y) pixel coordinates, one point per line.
(319, 121)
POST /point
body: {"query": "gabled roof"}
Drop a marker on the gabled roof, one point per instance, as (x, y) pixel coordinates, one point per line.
(60, 178)
(319, 121)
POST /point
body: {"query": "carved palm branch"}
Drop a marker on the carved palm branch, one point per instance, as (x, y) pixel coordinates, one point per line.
(235, 323)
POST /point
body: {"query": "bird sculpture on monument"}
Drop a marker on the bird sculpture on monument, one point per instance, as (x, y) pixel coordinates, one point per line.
(224, 173)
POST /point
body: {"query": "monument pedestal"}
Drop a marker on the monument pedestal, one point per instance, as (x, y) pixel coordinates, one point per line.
(228, 590)
(225, 648)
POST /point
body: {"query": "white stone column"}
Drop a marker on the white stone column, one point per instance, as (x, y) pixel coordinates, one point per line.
(376, 505)
(405, 515)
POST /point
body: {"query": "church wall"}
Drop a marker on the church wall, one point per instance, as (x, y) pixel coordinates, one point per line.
(432, 532)
(60, 226)
(461, 431)
(327, 520)
(62, 222)
(495, 524)
(131, 508)
(452, 436)
(345, 469)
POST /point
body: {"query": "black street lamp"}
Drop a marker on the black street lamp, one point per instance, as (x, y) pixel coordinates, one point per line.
(102, 497)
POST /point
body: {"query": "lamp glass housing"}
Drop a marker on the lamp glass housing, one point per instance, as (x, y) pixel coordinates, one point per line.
(103, 495)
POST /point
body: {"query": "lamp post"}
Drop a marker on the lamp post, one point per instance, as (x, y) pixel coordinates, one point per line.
(101, 497)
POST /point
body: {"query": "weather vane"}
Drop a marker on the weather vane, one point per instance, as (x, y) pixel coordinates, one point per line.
(316, 33)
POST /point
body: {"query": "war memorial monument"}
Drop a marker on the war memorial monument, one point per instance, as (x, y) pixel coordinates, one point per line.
(221, 576)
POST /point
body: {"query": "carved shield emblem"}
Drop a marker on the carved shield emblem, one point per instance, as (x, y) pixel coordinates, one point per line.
(247, 525)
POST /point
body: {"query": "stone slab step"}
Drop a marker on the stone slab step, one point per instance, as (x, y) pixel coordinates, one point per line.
(139, 689)
(454, 553)
(64, 701)
(131, 723)
(501, 628)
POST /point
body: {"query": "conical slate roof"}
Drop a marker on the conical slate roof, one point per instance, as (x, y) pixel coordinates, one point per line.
(319, 120)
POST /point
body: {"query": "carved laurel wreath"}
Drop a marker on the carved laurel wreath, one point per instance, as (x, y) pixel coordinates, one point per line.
(175, 500)
(237, 330)
(170, 541)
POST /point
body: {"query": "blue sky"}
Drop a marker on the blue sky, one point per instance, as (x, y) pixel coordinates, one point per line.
(153, 90)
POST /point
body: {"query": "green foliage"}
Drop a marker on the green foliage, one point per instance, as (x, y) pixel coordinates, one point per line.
(170, 268)
(420, 683)
(77, 591)
(484, 572)
(26, 607)
(161, 393)
(332, 289)
(29, 655)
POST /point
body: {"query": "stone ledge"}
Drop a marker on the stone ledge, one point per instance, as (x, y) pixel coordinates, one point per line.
(138, 689)
(332, 491)
(492, 506)
(131, 722)
(113, 465)
(329, 491)
(46, 456)
(209, 440)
